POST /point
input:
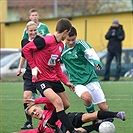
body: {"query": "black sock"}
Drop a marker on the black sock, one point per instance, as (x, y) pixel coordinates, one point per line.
(106, 114)
(28, 117)
(91, 128)
(65, 120)
(53, 118)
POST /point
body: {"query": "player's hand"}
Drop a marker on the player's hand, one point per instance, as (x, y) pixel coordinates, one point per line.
(30, 102)
(71, 86)
(99, 67)
(35, 72)
(18, 72)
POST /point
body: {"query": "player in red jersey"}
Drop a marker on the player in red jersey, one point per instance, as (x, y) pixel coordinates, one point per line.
(46, 70)
(77, 118)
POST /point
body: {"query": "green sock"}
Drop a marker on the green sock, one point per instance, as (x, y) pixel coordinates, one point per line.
(89, 109)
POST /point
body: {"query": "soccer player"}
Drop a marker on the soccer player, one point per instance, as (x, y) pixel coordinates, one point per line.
(80, 59)
(28, 35)
(42, 28)
(76, 118)
(46, 69)
(29, 88)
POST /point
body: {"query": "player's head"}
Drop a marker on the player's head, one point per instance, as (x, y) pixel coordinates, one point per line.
(63, 27)
(35, 111)
(34, 16)
(71, 38)
(31, 29)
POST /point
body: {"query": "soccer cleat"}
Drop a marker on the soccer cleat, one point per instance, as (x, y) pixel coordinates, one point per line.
(121, 115)
(107, 119)
(27, 125)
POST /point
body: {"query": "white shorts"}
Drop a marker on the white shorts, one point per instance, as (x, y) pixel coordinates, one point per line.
(94, 89)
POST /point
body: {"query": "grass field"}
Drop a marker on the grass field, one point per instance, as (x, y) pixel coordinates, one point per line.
(119, 97)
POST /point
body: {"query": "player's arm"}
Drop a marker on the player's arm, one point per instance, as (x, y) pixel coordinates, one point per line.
(37, 44)
(21, 63)
(60, 74)
(63, 77)
(42, 100)
(93, 58)
(22, 60)
(45, 101)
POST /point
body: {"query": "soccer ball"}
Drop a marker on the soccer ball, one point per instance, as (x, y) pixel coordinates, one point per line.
(107, 127)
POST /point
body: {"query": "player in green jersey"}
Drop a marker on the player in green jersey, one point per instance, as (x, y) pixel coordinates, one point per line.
(42, 28)
(80, 59)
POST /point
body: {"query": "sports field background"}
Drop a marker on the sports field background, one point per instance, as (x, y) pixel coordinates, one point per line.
(119, 97)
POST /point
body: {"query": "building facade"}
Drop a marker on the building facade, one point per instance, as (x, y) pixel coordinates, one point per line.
(90, 28)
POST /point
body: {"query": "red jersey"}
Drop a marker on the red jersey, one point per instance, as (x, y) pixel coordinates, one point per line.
(46, 59)
(42, 127)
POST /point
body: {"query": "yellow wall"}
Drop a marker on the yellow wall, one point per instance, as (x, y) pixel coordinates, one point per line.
(3, 18)
(97, 26)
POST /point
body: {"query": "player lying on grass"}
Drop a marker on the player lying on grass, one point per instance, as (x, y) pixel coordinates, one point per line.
(77, 118)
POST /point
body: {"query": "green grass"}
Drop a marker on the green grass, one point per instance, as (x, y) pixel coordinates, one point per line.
(119, 97)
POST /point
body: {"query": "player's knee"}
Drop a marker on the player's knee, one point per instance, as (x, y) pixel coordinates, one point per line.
(58, 103)
(86, 97)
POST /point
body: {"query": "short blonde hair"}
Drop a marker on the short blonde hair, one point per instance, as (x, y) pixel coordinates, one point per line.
(30, 23)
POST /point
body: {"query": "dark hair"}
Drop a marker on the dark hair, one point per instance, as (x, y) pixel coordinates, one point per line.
(33, 10)
(63, 24)
(73, 32)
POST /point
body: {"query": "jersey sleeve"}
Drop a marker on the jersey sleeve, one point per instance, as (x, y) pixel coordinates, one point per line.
(89, 53)
(27, 51)
(45, 101)
(92, 57)
(23, 43)
(60, 74)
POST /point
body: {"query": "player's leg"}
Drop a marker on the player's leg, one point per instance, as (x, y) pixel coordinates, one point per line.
(79, 118)
(101, 114)
(109, 114)
(84, 94)
(97, 94)
(29, 88)
(28, 124)
(60, 90)
(45, 89)
(65, 100)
